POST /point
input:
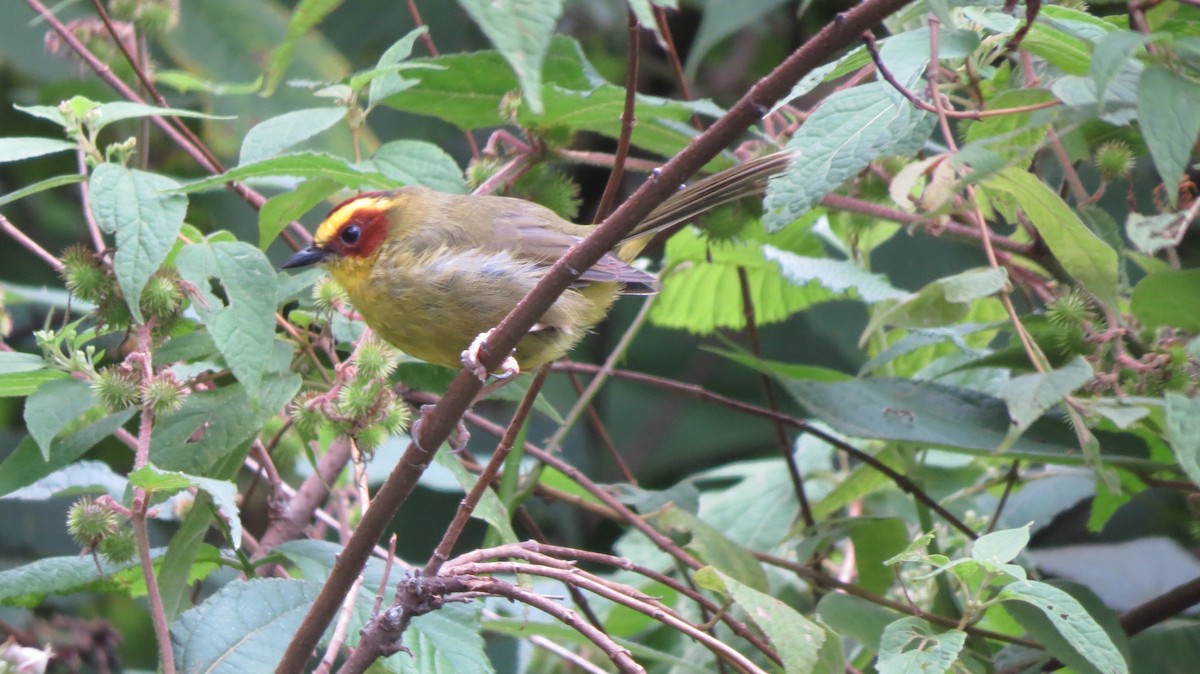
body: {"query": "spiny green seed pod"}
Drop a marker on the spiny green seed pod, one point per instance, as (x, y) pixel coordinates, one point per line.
(161, 297)
(1114, 160)
(480, 170)
(1070, 310)
(163, 394)
(89, 522)
(119, 547)
(116, 387)
(114, 312)
(327, 293)
(306, 420)
(725, 224)
(84, 276)
(550, 189)
(374, 359)
(358, 398)
(395, 420)
(370, 438)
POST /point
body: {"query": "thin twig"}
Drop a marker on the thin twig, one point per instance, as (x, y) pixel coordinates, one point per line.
(628, 121)
(29, 244)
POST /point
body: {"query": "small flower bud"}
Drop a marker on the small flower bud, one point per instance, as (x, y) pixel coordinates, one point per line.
(90, 522)
(116, 387)
(1114, 160)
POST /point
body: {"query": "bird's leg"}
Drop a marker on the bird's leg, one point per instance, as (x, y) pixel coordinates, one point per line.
(458, 437)
(470, 360)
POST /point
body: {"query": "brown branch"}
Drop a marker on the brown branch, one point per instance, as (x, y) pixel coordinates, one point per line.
(29, 244)
(628, 121)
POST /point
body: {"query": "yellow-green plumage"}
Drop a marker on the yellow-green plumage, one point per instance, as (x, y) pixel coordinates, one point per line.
(431, 271)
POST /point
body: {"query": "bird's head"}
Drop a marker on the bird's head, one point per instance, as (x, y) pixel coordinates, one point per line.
(350, 235)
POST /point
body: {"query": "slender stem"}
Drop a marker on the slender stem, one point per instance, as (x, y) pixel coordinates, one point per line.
(628, 120)
(29, 244)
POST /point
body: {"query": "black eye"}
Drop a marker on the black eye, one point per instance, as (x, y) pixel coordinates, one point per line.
(351, 234)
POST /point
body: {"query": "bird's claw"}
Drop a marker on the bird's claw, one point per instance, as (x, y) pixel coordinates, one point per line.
(470, 360)
(458, 439)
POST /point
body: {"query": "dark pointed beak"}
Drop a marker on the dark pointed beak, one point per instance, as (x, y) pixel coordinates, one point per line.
(306, 257)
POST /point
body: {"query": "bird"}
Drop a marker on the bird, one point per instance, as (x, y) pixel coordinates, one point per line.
(432, 273)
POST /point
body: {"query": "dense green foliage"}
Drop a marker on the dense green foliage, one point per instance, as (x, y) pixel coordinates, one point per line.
(973, 293)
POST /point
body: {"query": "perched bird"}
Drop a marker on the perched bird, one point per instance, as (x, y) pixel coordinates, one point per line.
(431, 272)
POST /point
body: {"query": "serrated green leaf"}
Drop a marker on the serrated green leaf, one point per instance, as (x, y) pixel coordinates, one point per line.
(856, 617)
(17, 148)
(520, 30)
(1000, 547)
(943, 302)
(55, 406)
(389, 83)
(146, 215)
(29, 585)
(796, 639)
(489, 509)
(245, 627)
(1112, 53)
(80, 477)
(223, 493)
(272, 136)
(1166, 105)
(118, 111)
(281, 209)
(242, 322)
(1183, 432)
(843, 278)
(909, 645)
(1030, 396)
(1071, 621)
(852, 128)
(213, 424)
(298, 165)
(713, 547)
(1083, 254)
(305, 16)
(25, 465)
(1168, 298)
(933, 414)
(414, 162)
(1065, 52)
(40, 186)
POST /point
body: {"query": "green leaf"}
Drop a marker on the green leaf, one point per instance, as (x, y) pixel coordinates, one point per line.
(242, 322)
(283, 208)
(702, 291)
(1000, 547)
(796, 639)
(1166, 105)
(213, 424)
(1112, 53)
(1183, 432)
(40, 186)
(16, 148)
(1168, 298)
(1071, 621)
(722, 19)
(852, 128)
(389, 83)
(1030, 396)
(177, 564)
(414, 162)
(272, 136)
(942, 302)
(298, 165)
(906, 54)
(29, 585)
(26, 465)
(1065, 52)
(909, 645)
(117, 111)
(1015, 136)
(1152, 233)
(53, 407)
(876, 539)
(713, 547)
(1082, 254)
(306, 15)
(855, 617)
(489, 509)
(245, 627)
(520, 31)
(80, 477)
(933, 414)
(23, 373)
(223, 493)
(146, 217)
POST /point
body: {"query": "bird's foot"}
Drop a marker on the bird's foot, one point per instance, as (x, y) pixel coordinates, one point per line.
(458, 437)
(470, 360)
